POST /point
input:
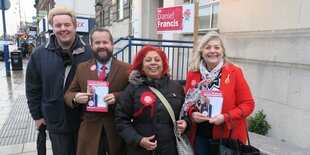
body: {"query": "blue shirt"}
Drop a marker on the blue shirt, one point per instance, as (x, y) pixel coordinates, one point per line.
(108, 67)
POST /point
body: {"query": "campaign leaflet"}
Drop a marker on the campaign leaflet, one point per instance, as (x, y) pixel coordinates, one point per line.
(95, 101)
(210, 102)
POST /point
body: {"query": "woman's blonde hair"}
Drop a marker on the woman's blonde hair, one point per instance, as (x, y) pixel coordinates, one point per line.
(61, 11)
(197, 55)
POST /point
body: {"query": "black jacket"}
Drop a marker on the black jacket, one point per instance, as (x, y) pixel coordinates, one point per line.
(46, 83)
(146, 124)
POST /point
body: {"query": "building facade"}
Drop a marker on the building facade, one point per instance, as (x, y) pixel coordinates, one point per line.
(114, 15)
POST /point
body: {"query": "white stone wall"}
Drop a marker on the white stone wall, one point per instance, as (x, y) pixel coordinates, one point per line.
(270, 41)
(277, 69)
(283, 93)
(258, 15)
(119, 29)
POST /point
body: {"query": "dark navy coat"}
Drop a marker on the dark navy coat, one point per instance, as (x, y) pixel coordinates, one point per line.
(47, 81)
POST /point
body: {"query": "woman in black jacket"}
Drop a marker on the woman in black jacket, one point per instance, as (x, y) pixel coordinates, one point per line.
(141, 118)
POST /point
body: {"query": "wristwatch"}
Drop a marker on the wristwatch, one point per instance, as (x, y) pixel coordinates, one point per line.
(74, 103)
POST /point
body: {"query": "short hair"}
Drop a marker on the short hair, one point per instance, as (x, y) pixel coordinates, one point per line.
(99, 29)
(61, 11)
(138, 61)
(197, 55)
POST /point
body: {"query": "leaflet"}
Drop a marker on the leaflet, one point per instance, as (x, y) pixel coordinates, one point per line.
(95, 101)
(210, 103)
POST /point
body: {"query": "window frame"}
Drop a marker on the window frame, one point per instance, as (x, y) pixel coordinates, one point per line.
(110, 16)
(206, 5)
(120, 9)
(101, 17)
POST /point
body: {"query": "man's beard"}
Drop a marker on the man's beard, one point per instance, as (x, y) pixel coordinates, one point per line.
(104, 59)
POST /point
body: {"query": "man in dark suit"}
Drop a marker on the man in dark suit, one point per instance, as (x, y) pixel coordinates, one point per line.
(96, 125)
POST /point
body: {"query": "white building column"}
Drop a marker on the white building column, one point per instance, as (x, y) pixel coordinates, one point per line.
(144, 18)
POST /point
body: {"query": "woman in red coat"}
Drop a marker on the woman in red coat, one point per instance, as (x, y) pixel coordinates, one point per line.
(211, 72)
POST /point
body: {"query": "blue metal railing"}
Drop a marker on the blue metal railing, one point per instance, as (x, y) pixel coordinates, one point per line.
(178, 53)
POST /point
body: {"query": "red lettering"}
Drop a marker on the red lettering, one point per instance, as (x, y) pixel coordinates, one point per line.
(80, 24)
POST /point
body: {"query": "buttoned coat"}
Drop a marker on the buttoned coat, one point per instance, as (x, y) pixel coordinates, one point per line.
(93, 122)
(238, 102)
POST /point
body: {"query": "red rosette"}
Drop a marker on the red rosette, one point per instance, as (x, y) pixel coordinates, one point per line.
(147, 99)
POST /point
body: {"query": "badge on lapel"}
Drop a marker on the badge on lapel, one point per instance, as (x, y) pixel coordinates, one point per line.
(227, 80)
(93, 67)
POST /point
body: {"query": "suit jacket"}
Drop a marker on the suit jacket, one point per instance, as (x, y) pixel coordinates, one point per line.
(92, 123)
(238, 101)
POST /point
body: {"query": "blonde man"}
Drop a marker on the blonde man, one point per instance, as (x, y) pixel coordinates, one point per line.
(50, 71)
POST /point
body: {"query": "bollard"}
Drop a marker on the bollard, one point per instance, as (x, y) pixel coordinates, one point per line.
(6, 60)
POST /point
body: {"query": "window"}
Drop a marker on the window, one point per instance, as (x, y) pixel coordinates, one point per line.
(208, 14)
(110, 15)
(120, 9)
(102, 18)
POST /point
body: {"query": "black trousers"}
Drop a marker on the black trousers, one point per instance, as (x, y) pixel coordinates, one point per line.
(63, 143)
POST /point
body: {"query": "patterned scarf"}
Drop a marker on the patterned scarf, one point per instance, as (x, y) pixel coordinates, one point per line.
(193, 94)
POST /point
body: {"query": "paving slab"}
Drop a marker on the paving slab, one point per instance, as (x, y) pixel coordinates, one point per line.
(11, 149)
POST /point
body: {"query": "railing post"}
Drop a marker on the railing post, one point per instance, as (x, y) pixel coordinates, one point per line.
(129, 49)
(6, 52)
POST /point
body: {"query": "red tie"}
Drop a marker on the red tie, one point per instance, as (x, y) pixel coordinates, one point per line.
(102, 73)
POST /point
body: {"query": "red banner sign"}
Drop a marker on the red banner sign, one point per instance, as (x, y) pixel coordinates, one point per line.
(169, 18)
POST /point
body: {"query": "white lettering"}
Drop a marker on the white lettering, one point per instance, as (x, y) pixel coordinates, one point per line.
(173, 23)
(166, 16)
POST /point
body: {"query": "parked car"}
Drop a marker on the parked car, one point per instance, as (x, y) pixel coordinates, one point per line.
(2, 49)
(11, 47)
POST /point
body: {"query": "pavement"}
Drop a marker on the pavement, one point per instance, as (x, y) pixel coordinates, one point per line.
(17, 133)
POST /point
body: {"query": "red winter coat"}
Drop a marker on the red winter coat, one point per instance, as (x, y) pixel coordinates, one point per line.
(236, 95)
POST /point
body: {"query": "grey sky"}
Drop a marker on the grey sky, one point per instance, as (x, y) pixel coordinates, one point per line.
(12, 15)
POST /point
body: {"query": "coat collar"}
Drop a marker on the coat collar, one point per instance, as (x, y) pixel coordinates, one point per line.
(93, 69)
(79, 44)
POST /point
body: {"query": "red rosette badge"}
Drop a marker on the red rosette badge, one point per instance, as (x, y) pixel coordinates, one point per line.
(147, 99)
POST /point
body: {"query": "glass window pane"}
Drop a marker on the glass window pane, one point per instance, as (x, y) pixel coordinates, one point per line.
(215, 15)
(204, 18)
